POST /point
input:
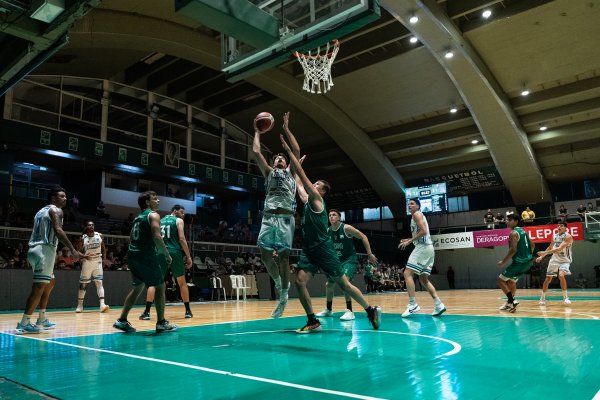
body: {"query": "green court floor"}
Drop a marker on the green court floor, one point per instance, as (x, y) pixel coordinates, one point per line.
(452, 357)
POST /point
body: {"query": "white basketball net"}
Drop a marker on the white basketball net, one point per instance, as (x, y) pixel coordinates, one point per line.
(317, 68)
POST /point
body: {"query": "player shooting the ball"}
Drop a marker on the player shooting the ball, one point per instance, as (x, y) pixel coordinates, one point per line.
(278, 223)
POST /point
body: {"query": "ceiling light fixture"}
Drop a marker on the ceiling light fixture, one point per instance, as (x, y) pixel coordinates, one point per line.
(486, 14)
(47, 10)
(543, 127)
(449, 54)
(524, 92)
(413, 39)
(453, 110)
(413, 19)
(474, 141)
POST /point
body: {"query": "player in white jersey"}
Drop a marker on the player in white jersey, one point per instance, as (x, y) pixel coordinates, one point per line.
(47, 232)
(560, 262)
(278, 224)
(92, 246)
(420, 260)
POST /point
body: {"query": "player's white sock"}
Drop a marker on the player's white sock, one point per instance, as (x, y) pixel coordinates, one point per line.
(565, 294)
(412, 300)
(42, 316)
(26, 319)
(437, 301)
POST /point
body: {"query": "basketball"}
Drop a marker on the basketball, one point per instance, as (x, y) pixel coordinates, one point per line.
(264, 121)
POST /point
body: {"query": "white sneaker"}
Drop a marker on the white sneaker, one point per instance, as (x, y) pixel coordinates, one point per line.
(438, 310)
(104, 308)
(79, 309)
(567, 301)
(280, 308)
(542, 302)
(411, 309)
(325, 313)
(348, 316)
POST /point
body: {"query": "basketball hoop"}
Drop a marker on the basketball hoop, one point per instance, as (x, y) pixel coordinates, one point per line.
(317, 68)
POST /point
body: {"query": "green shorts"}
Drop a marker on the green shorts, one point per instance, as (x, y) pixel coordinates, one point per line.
(515, 270)
(349, 266)
(177, 265)
(321, 257)
(145, 268)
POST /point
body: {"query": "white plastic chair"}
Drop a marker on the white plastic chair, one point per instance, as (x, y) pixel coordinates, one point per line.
(238, 282)
(217, 286)
(209, 261)
(199, 264)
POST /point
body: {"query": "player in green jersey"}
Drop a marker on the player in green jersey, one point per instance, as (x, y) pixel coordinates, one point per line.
(317, 248)
(343, 236)
(520, 250)
(171, 230)
(145, 242)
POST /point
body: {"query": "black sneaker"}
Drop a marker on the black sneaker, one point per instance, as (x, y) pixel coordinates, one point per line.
(310, 327)
(375, 316)
(165, 326)
(145, 316)
(188, 314)
(513, 307)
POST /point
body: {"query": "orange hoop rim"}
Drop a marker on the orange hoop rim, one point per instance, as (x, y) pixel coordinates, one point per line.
(336, 43)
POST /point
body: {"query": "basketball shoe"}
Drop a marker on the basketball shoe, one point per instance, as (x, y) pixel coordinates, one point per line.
(45, 324)
(410, 310)
(325, 313)
(310, 327)
(145, 316)
(280, 308)
(27, 328)
(438, 310)
(104, 308)
(165, 326)
(348, 316)
(124, 326)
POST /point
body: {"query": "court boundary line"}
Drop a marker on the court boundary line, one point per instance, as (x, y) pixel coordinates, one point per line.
(204, 369)
(456, 346)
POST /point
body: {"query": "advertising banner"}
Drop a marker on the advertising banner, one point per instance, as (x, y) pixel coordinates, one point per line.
(544, 233)
(493, 237)
(460, 240)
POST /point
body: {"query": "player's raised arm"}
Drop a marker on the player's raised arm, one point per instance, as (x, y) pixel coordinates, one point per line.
(290, 136)
(263, 165)
(308, 185)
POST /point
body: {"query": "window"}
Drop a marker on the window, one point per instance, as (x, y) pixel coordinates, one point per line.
(386, 213)
(458, 204)
(372, 214)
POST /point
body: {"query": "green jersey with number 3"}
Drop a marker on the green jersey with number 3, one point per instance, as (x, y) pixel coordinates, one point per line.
(169, 233)
(523, 253)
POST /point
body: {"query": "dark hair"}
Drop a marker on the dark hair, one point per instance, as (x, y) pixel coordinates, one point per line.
(145, 196)
(54, 192)
(326, 187)
(335, 210)
(562, 222)
(287, 158)
(416, 200)
(514, 217)
(177, 207)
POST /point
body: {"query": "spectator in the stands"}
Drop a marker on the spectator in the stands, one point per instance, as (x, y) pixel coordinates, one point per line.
(11, 211)
(127, 225)
(563, 212)
(590, 207)
(528, 216)
(101, 210)
(499, 220)
(488, 219)
(581, 210)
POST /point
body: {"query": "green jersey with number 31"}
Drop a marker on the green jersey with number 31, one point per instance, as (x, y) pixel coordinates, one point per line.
(169, 233)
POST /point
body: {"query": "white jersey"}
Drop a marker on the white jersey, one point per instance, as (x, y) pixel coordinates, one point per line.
(43, 231)
(564, 256)
(414, 229)
(280, 188)
(92, 246)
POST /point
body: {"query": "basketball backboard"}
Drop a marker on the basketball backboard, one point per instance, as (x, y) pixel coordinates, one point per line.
(303, 25)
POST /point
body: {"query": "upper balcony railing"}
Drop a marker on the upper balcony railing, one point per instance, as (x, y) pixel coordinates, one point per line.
(121, 114)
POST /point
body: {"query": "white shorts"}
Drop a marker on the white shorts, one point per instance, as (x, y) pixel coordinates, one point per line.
(276, 232)
(42, 258)
(421, 259)
(555, 266)
(91, 270)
